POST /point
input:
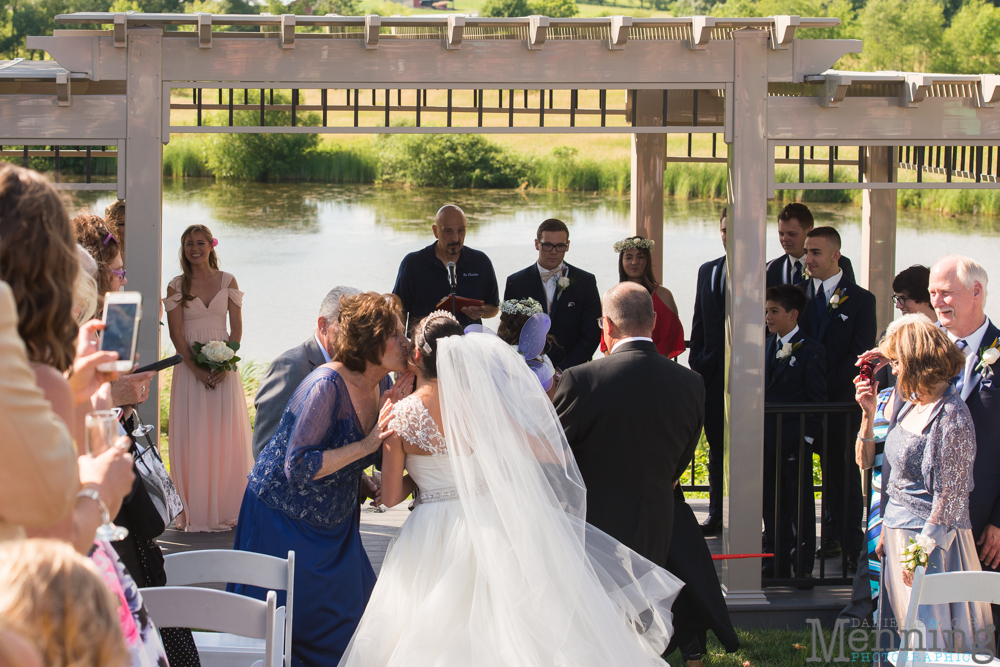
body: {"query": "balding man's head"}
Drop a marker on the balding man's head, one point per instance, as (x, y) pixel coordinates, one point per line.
(630, 308)
(449, 229)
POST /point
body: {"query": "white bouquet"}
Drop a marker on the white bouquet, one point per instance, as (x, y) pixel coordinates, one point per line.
(216, 355)
(915, 555)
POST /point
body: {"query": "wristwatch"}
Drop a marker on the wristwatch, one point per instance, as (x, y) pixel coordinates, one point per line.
(96, 497)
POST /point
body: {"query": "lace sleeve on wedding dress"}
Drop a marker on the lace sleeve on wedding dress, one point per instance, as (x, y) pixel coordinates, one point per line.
(414, 424)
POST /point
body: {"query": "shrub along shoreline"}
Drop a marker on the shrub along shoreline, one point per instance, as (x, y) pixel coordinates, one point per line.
(475, 161)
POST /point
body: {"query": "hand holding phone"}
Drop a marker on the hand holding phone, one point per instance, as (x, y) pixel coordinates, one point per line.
(122, 313)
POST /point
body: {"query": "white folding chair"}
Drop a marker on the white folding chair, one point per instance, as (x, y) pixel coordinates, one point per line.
(207, 609)
(945, 588)
(217, 566)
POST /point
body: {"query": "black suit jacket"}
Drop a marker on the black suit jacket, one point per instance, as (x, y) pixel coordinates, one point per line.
(574, 312)
(799, 379)
(633, 420)
(845, 332)
(708, 327)
(777, 270)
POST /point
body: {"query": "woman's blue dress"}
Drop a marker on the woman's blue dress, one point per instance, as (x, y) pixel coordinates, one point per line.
(284, 509)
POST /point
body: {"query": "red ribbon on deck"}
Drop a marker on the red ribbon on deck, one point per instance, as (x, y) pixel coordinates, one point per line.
(732, 556)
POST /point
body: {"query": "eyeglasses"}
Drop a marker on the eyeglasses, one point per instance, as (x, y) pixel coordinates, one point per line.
(118, 273)
(560, 247)
(600, 322)
(900, 299)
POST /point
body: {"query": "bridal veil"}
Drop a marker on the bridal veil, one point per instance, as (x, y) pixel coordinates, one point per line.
(567, 592)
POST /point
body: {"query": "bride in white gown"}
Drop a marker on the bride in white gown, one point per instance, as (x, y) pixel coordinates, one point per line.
(495, 565)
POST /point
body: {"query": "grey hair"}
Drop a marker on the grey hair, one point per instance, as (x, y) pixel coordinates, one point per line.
(630, 307)
(330, 308)
(968, 271)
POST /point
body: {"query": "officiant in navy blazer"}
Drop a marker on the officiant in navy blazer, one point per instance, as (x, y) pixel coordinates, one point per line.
(840, 316)
(794, 372)
(569, 295)
(794, 222)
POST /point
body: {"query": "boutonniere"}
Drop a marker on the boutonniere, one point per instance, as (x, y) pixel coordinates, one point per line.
(837, 299)
(805, 272)
(563, 284)
(988, 356)
(784, 355)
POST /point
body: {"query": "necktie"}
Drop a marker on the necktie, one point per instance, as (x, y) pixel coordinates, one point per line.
(960, 378)
(796, 273)
(820, 301)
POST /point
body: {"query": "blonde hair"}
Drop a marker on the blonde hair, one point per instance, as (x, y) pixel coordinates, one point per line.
(923, 353)
(85, 296)
(968, 271)
(186, 270)
(53, 595)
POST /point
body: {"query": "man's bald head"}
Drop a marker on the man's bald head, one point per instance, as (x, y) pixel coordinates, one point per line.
(449, 229)
(630, 308)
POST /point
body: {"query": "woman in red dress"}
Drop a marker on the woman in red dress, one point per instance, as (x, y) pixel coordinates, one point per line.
(636, 264)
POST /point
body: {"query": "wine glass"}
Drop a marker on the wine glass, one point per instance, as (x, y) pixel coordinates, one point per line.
(142, 429)
(102, 431)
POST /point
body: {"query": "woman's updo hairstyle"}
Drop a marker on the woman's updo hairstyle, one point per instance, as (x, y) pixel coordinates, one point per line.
(439, 324)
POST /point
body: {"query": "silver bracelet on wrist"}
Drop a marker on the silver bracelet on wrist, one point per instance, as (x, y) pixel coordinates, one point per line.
(863, 439)
(96, 497)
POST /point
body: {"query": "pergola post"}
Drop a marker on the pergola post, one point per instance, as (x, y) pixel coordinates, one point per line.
(744, 397)
(648, 161)
(878, 232)
(144, 194)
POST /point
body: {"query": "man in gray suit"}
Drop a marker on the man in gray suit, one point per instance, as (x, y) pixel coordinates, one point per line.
(285, 373)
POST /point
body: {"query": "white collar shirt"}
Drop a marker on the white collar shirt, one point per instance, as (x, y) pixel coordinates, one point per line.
(972, 344)
(793, 274)
(552, 283)
(829, 285)
(322, 348)
(630, 339)
(787, 338)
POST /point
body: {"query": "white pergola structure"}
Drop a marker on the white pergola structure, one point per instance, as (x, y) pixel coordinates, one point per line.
(771, 95)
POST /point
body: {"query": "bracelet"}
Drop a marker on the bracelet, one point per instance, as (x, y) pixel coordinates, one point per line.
(96, 497)
(862, 439)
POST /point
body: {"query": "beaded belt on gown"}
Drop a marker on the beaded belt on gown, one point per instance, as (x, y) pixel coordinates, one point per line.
(445, 494)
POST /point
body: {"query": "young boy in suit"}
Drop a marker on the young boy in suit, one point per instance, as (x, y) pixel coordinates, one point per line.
(795, 372)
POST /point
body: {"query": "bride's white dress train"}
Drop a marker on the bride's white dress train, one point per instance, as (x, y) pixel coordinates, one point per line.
(495, 566)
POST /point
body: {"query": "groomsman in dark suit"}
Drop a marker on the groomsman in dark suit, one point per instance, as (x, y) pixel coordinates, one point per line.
(707, 356)
(794, 372)
(794, 222)
(568, 294)
(840, 316)
(633, 420)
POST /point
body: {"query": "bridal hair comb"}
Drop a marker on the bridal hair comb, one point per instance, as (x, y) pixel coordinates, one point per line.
(436, 315)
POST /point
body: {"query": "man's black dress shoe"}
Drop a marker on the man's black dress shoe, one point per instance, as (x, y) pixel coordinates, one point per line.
(711, 527)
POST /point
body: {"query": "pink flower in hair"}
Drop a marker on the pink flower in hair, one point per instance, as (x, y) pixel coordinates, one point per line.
(215, 242)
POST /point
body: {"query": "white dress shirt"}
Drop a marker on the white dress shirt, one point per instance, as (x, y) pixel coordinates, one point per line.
(829, 285)
(972, 344)
(793, 274)
(322, 348)
(787, 338)
(552, 283)
(629, 340)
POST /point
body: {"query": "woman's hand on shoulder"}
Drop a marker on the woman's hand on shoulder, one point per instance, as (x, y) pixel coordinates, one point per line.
(402, 388)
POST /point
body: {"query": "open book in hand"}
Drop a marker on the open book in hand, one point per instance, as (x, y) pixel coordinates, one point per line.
(460, 303)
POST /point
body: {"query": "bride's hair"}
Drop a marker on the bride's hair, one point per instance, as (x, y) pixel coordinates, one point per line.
(428, 332)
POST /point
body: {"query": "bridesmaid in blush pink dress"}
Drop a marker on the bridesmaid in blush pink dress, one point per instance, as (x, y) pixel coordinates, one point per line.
(210, 433)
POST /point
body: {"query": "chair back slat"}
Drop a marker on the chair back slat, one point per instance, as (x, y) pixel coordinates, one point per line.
(223, 566)
(208, 609)
(948, 587)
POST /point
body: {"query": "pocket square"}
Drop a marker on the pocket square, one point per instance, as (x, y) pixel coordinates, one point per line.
(843, 317)
(571, 304)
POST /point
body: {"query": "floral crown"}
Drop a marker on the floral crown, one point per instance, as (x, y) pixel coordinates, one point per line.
(632, 243)
(436, 315)
(526, 307)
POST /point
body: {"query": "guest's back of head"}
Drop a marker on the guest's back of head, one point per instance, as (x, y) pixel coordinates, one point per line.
(38, 261)
(54, 596)
(100, 241)
(630, 306)
(114, 218)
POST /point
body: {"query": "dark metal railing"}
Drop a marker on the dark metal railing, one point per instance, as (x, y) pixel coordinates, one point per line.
(805, 412)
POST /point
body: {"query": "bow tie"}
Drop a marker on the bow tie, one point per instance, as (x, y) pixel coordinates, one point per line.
(549, 275)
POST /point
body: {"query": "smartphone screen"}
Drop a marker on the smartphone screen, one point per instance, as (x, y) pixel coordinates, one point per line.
(120, 329)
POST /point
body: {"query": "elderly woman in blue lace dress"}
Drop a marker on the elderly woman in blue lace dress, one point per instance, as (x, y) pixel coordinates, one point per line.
(930, 447)
(303, 493)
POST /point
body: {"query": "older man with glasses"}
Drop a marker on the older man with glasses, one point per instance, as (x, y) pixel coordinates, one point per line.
(568, 294)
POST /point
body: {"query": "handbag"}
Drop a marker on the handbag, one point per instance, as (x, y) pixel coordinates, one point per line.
(157, 481)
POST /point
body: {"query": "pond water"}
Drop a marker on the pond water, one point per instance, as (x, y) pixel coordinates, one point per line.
(288, 244)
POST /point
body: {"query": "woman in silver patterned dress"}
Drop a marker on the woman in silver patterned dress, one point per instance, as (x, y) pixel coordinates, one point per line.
(931, 449)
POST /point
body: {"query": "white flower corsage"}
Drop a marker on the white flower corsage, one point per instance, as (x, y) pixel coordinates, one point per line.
(988, 357)
(786, 352)
(634, 242)
(526, 307)
(563, 283)
(838, 298)
(916, 554)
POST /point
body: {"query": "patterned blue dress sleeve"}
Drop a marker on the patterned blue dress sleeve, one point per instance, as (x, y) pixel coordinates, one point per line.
(317, 415)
